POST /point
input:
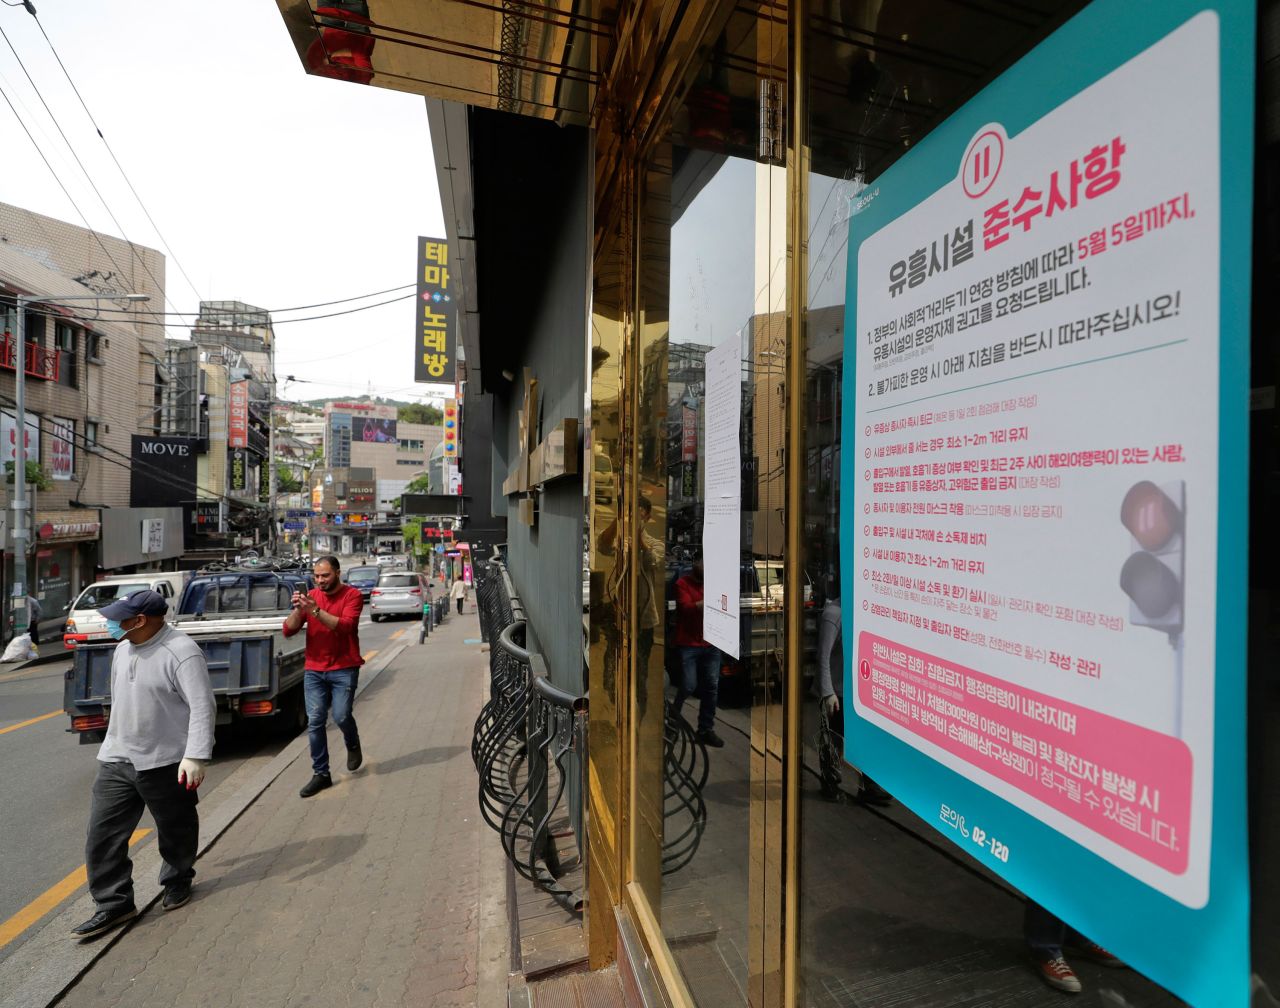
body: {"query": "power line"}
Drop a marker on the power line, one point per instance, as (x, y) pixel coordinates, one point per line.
(88, 177)
(151, 470)
(97, 129)
(61, 186)
(193, 325)
(269, 311)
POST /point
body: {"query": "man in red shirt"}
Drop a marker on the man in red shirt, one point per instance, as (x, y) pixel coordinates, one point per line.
(331, 612)
(699, 661)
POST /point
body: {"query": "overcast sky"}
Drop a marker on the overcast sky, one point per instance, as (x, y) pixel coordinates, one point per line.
(270, 186)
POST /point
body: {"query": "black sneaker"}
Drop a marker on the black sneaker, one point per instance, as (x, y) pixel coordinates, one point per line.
(176, 895)
(709, 738)
(102, 921)
(317, 784)
(872, 793)
(354, 758)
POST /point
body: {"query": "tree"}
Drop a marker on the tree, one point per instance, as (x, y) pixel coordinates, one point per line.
(286, 480)
(421, 413)
(36, 475)
(420, 485)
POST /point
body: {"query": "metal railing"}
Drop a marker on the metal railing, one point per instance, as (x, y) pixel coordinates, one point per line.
(684, 776)
(39, 362)
(528, 746)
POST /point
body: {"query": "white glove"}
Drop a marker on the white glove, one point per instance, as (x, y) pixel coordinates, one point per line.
(191, 773)
(830, 705)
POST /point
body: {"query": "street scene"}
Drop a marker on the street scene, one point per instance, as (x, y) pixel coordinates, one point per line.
(578, 504)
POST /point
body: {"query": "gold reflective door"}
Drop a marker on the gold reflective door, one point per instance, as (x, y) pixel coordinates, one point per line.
(709, 406)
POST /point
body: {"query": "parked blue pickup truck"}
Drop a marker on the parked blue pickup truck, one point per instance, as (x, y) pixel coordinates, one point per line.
(235, 617)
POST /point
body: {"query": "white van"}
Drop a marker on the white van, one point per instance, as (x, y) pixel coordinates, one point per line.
(85, 623)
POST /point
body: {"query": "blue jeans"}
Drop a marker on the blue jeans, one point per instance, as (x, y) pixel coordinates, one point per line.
(1045, 933)
(322, 690)
(700, 677)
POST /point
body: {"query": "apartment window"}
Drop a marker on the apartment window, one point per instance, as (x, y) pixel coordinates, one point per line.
(93, 346)
(64, 341)
(410, 462)
(91, 435)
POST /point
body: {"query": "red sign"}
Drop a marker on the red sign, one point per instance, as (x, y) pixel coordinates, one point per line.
(238, 415)
(689, 435)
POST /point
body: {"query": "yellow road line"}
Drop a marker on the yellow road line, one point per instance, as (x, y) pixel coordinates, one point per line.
(31, 721)
(398, 634)
(368, 654)
(50, 898)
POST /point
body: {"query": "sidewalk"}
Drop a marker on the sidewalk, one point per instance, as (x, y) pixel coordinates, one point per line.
(50, 647)
(385, 890)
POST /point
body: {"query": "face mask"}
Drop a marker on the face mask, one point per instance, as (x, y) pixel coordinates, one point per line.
(116, 631)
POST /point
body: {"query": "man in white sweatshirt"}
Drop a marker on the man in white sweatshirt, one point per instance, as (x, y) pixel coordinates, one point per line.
(159, 739)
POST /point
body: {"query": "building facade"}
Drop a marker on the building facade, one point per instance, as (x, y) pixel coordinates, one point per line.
(94, 367)
(926, 333)
(370, 435)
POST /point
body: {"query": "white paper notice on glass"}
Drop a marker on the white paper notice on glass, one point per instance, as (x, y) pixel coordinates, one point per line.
(722, 517)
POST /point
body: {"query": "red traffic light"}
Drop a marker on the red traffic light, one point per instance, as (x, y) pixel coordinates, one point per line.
(1150, 516)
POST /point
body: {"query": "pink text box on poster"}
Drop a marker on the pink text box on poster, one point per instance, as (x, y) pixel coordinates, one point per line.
(1124, 782)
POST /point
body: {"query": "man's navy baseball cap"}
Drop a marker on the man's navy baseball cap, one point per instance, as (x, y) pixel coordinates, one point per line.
(140, 603)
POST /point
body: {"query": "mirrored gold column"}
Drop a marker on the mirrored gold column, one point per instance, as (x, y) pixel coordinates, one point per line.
(608, 592)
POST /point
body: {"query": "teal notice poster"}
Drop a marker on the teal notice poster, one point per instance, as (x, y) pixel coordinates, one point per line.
(1044, 482)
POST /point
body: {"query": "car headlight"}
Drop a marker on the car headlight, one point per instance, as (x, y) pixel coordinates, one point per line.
(70, 627)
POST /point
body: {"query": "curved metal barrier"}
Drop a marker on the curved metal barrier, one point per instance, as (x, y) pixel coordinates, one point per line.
(529, 739)
(684, 775)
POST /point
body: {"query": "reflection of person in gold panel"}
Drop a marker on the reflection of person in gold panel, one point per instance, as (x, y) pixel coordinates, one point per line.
(699, 661)
(650, 560)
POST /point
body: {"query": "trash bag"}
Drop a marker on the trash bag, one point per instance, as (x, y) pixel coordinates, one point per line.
(20, 649)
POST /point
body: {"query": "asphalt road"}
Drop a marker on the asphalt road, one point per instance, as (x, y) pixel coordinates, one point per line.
(47, 775)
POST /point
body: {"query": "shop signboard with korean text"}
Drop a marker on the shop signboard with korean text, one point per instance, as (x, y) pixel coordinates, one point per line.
(238, 472)
(9, 436)
(436, 335)
(238, 415)
(1044, 482)
(62, 450)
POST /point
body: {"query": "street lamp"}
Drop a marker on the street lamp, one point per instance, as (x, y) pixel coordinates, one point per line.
(19, 502)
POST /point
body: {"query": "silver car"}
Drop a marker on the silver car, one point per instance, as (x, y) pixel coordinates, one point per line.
(398, 593)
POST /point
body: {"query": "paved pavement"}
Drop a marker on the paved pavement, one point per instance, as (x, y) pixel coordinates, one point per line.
(387, 889)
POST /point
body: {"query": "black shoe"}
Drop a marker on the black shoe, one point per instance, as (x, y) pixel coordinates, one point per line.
(872, 793)
(102, 921)
(354, 758)
(317, 784)
(176, 895)
(709, 738)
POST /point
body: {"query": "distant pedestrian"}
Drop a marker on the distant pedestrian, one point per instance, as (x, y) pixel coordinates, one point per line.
(699, 661)
(458, 592)
(331, 612)
(35, 614)
(159, 739)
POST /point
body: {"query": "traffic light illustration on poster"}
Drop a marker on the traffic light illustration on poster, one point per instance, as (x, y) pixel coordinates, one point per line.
(1044, 482)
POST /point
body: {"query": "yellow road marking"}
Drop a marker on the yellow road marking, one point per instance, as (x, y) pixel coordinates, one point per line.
(50, 898)
(368, 654)
(31, 721)
(398, 634)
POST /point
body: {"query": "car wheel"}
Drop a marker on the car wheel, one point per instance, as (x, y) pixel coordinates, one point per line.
(375, 618)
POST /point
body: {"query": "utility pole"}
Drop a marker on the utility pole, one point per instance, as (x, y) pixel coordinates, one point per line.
(21, 533)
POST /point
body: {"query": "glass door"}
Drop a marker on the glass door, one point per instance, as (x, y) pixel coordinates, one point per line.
(709, 604)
